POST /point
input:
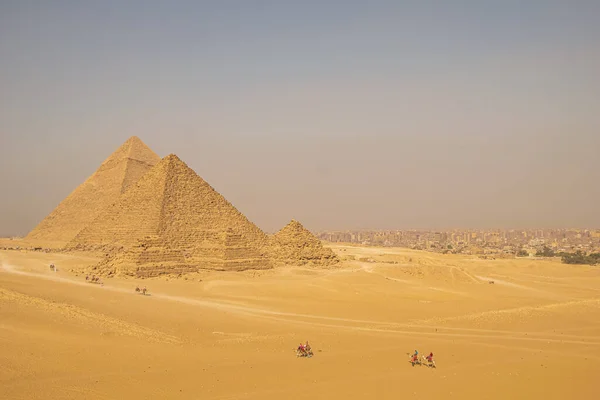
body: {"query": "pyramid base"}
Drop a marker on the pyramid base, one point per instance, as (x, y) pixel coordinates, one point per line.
(152, 270)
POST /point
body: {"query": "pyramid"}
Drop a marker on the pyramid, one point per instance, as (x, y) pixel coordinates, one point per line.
(116, 174)
(295, 245)
(174, 209)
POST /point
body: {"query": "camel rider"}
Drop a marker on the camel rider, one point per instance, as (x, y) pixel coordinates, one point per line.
(430, 357)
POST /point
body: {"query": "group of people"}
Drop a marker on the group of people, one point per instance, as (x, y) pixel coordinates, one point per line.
(141, 291)
(415, 359)
(94, 279)
(304, 350)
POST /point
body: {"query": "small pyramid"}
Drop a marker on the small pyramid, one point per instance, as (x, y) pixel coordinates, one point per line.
(116, 174)
(294, 244)
(181, 211)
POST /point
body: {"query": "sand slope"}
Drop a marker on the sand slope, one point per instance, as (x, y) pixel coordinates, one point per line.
(533, 334)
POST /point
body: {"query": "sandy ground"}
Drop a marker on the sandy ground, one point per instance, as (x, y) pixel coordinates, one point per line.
(533, 334)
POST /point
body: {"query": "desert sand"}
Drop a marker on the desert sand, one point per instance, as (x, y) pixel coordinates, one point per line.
(229, 304)
(533, 334)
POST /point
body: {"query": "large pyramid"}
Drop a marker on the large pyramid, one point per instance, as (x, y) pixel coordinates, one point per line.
(171, 210)
(295, 245)
(117, 173)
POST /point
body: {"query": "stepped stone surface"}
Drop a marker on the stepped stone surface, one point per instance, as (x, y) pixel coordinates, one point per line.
(115, 176)
(295, 245)
(150, 257)
(172, 211)
(153, 257)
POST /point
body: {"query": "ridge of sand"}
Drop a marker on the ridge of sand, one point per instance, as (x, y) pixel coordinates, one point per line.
(116, 175)
(172, 221)
(86, 317)
(294, 244)
(518, 313)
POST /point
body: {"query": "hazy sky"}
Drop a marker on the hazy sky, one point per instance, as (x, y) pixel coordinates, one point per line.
(341, 114)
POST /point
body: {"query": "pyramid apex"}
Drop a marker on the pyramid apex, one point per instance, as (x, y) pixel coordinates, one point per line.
(295, 223)
(134, 142)
(172, 157)
(133, 149)
(292, 226)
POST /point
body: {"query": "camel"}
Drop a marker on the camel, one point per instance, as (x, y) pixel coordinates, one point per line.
(141, 291)
(414, 359)
(303, 353)
(304, 350)
(95, 279)
(429, 362)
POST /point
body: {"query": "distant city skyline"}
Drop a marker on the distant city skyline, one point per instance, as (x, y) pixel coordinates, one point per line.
(495, 242)
(340, 114)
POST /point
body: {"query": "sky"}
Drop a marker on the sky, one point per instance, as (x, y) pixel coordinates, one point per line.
(340, 114)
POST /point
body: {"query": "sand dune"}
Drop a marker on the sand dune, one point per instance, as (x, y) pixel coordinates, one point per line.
(535, 333)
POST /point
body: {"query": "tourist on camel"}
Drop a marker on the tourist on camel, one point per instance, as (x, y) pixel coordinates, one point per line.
(415, 357)
(301, 350)
(430, 357)
(307, 348)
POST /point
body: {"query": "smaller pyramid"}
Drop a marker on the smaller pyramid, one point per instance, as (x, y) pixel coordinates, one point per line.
(295, 245)
(121, 170)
